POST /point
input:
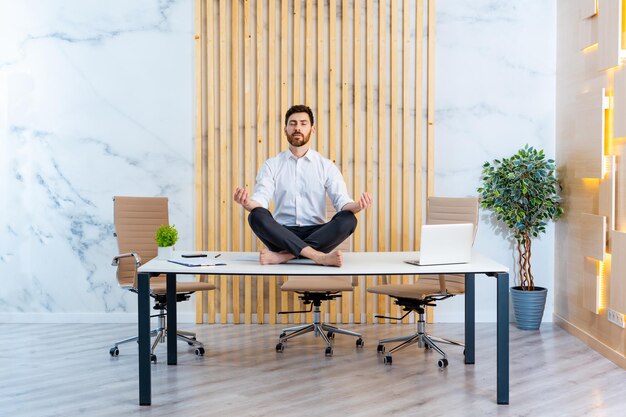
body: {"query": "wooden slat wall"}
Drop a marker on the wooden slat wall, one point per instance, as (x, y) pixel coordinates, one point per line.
(359, 65)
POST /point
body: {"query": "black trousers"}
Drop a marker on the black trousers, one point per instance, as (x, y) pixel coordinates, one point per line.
(321, 237)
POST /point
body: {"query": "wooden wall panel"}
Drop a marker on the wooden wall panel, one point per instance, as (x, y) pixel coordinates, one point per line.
(593, 235)
(606, 193)
(617, 298)
(591, 285)
(256, 59)
(619, 103)
(609, 33)
(588, 8)
(588, 35)
(589, 133)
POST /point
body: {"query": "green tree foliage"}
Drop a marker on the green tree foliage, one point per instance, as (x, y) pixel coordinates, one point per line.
(522, 192)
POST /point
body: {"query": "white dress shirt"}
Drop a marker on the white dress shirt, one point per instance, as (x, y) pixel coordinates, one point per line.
(299, 188)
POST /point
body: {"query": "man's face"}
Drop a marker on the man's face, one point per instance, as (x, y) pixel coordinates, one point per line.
(299, 129)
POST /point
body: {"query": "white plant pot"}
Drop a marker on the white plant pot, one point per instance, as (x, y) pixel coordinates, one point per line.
(165, 253)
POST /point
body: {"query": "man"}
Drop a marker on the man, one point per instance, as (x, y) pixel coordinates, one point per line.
(299, 179)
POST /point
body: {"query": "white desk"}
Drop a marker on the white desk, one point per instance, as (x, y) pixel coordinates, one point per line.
(354, 263)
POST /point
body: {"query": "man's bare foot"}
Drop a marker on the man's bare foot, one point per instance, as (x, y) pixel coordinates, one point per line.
(267, 257)
(334, 258)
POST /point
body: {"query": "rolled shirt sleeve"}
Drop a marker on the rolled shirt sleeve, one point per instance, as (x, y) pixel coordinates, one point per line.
(264, 187)
(336, 188)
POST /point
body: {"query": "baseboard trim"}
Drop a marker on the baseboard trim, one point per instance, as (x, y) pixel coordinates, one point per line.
(606, 351)
(96, 318)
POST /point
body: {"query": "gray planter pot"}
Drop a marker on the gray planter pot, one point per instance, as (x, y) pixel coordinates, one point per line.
(528, 307)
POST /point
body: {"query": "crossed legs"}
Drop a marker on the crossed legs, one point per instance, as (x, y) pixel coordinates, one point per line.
(314, 242)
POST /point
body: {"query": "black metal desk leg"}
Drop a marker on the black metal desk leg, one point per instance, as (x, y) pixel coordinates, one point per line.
(171, 319)
(143, 321)
(470, 318)
(503, 338)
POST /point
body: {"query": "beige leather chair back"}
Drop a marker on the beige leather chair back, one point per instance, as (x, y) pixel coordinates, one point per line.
(136, 220)
(446, 210)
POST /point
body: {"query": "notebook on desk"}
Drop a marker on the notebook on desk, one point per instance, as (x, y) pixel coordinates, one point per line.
(443, 244)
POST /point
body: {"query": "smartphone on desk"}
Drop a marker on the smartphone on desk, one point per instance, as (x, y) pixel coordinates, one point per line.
(193, 255)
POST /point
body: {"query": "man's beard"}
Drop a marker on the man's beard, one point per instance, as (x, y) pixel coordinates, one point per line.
(299, 140)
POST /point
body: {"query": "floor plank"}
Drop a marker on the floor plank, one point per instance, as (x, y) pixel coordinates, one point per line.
(66, 370)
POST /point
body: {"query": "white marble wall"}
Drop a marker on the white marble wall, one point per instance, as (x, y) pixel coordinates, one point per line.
(96, 99)
(495, 92)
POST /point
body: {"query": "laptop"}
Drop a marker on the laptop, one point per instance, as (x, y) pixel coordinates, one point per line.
(444, 244)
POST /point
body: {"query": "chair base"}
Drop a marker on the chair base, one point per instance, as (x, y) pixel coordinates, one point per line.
(161, 333)
(422, 339)
(326, 331)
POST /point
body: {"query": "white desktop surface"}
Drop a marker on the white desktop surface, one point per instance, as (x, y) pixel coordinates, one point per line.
(354, 263)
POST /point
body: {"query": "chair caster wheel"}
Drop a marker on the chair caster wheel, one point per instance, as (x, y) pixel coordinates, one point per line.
(380, 348)
(360, 343)
(443, 363)
(280, 347)
(200, 351)
(114, 351)
(283, 334)
(329, 352)
(330, 335)
(153, 358)
(427, 346)
(387, 360)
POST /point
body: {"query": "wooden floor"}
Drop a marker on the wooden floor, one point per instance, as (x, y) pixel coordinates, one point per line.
(66, 370)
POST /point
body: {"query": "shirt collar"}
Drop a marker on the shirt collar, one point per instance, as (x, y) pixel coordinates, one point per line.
(311, 155)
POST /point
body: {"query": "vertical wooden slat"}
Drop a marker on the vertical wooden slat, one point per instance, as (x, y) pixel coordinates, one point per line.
(260, 133)
(345, 121)
(394, 139)
(235, 144)
(308, 54)
(332, 107)
(369, 147)
(430, 116)
(198, 186)
(419, 30)
(296, 100)
(271, 127)
(430, 137)
(357, 147)
(383, 301)
(224, 151)
(247, 146)
(406, 138)
(211, 141)
(321, 137)
(296, 52)
(284, 78)
(321, 69)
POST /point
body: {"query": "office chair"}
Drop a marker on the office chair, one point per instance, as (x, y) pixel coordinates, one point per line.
(313, 290)
(136, 220)
(428, 289)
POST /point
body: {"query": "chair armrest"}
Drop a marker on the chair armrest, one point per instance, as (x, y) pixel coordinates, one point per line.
(116, 260)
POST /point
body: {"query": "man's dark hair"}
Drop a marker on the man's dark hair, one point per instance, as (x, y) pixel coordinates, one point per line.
(299, 108)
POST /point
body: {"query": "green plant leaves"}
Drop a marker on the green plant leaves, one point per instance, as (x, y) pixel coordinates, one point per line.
(166, 235)
(522, 192)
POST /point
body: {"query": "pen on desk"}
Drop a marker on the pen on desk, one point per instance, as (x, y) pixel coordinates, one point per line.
(218, 255)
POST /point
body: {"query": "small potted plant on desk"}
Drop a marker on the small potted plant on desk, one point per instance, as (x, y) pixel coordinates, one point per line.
(522, 192)
(165, 236)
